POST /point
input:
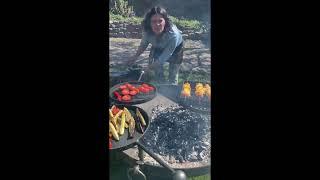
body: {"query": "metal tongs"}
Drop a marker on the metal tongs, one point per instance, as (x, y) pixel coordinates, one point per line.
(142, 72)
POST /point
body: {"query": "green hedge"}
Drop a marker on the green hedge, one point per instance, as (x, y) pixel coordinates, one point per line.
(181, 23)
(133, 20)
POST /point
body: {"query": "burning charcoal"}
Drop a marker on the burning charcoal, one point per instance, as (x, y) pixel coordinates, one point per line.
(171, 159)
(206, 143)
(180, 159)
(201, 155)
(179, 151)
(166, 158)
(193, 156)
(178, 132)
(202, 148)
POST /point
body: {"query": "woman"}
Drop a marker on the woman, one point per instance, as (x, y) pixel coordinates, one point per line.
(167, 44)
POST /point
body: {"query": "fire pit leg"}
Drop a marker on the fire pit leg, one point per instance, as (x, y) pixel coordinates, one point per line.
(136, 172)
(141, 154)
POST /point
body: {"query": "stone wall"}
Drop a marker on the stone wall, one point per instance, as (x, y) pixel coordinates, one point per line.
(128, 30)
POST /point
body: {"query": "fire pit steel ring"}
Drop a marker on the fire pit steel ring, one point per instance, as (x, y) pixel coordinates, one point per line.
(199, 168)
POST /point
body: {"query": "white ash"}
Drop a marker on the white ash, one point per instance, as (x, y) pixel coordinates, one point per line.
(175, 164)
(178, 135)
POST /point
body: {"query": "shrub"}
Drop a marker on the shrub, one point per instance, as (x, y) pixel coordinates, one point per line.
(121, 7)
(181, 23)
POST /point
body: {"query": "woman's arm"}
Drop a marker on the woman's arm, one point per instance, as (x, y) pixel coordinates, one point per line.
(142, 47)
(171, 45)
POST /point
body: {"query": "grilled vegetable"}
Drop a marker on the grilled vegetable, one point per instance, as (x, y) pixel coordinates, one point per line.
(186, 85)
(110, 144)
(145, 85)
(132, 88)
(123, 87)
(117, 126)
(113, 106)
(128, 115)
(123, 121)
(143, 122)
(115, 110)
(110, 115)
(132, 125)
(139, 126)
(114, 119)
(143, 89)
(129, 85)
(207, 90)
(116, 94)
(186, 90)
(199, 90)
(125, 92)
(113, 131)
(133, 93)
(126, 98)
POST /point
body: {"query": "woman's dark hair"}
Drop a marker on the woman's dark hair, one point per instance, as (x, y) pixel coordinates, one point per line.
(146, 23)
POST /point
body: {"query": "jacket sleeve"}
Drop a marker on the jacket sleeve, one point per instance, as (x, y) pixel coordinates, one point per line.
(168, 50)
(144, 41)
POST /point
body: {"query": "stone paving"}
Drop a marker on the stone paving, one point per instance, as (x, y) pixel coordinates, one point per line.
(197, 55)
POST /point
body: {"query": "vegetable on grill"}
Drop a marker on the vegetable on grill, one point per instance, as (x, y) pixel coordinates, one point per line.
(126, 98)
(125, 92)
(132, 125)
(207, 90)
(143, 122)
(117, 95)
(123, 121)
(133, 92)
(113, 131)
(186, 90)
(199, 90)
(114, 119)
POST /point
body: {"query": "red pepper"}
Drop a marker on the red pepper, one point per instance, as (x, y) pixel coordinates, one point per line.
(125, 92)
(123, 87)
(133, 93)
(126, 98)
(117, 95)
(110, 144)
(143, 90)
(129, 86)
(115, 110)
(145, 85)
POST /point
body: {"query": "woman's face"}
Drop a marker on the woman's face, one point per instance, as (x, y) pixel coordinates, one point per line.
(157, 23)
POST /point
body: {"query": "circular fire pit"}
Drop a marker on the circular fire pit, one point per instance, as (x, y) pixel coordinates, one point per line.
(179, 137)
